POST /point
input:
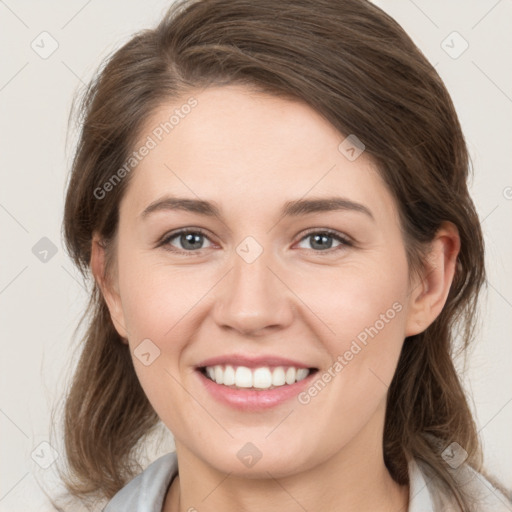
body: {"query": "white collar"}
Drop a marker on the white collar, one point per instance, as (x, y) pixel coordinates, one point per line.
(420, 499)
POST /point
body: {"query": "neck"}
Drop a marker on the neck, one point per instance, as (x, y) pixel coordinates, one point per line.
(353, 479)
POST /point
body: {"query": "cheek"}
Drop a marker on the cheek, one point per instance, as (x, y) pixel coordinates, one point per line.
(353, 297)
(159, 303)
(156, 299)
(364, 307)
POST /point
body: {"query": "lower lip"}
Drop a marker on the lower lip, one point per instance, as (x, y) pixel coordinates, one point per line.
(251, 399)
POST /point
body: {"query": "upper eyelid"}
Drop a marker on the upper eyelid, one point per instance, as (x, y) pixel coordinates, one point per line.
(173, 234)
(329, 231)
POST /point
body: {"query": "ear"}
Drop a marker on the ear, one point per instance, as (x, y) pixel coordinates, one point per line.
(108, 286)
(428, 295)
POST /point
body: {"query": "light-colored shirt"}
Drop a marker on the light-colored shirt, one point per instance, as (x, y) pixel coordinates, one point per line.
(146, 492)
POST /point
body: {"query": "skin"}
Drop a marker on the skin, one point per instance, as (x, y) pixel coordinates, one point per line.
(250, 153)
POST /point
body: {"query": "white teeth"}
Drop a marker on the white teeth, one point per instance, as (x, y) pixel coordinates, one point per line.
(262, 378)
(243, 377)
(278, 376)
(290, 375)
(302, 373)
(219, 375)
(258, 378)
(229, 376)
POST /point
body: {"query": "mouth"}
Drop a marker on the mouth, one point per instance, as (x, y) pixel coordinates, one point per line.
(258, 378)
(251, 383)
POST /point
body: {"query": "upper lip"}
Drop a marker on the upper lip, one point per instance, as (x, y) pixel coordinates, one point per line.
(251, 361)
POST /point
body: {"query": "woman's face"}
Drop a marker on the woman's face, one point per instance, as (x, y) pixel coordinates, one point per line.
(258, 285)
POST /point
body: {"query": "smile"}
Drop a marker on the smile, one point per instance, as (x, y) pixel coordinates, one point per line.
(253, 383)
(263, 377)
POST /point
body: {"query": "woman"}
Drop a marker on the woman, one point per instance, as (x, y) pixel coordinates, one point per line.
(272, 199)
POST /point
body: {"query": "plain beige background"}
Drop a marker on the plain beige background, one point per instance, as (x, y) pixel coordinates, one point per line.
(41, 301)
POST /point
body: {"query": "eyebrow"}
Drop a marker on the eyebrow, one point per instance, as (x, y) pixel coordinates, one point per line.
(290, 208)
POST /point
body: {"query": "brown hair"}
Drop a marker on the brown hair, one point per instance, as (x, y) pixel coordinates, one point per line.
(354, 65)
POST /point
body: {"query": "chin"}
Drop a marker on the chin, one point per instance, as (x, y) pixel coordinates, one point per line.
(251, 462)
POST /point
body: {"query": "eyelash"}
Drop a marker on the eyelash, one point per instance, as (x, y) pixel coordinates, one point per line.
(165, 242)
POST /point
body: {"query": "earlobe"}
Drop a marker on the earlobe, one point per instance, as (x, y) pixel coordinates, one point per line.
(428, 295)
(107, 287)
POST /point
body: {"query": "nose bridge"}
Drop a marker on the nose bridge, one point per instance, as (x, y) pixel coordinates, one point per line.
(252, 298)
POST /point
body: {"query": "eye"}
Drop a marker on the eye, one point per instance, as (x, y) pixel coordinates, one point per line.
(190, 240)
(322, 241)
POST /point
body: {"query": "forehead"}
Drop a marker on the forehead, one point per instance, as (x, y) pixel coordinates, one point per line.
(249, 151)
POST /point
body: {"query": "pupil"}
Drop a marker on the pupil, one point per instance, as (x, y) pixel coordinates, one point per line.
(191, 239)
(319, 238)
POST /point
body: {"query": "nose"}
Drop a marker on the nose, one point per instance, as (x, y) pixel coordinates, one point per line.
(253, 298)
